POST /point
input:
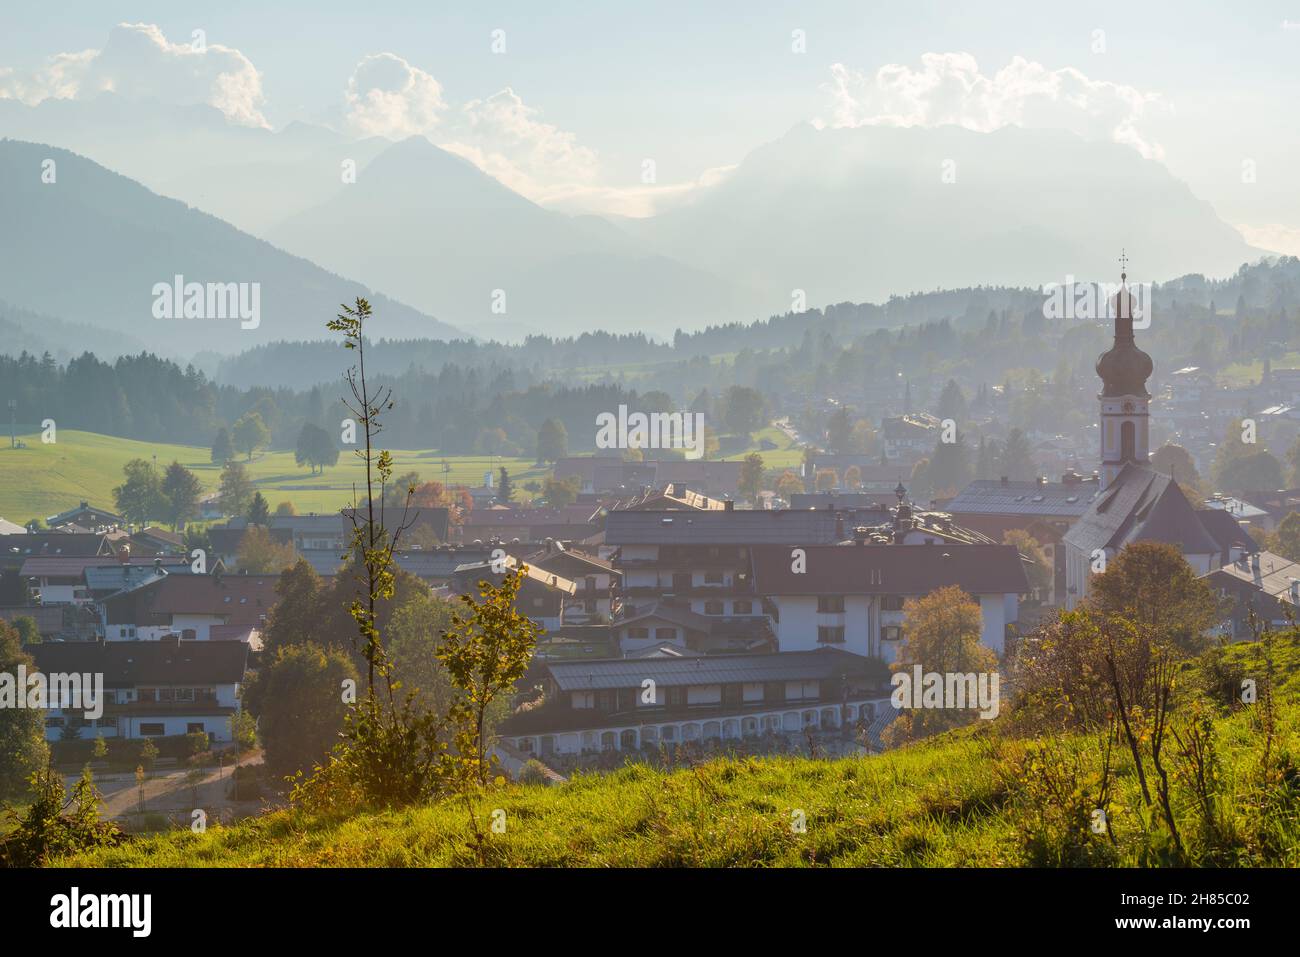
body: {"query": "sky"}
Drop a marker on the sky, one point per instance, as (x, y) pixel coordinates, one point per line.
(576, 96)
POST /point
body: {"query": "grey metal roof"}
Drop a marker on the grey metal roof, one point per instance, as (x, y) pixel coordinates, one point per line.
(1141, 505)
(745, 527)
(112, 578)
(706, 669)
(993, 497)
(1272, 575)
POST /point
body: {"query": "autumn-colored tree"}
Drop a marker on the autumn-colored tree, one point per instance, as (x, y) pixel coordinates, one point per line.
(941, 633)
(1151, 585)
(1286, 540)
(826, 480)
(751, 476)
(485, 651)
(293, 620)
(260, 554)
(300, 701)
(853, 477)
(788, 484)
(1040, 572)
(561, 492)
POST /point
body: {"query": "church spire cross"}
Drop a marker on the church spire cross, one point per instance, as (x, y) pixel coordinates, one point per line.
(1123, 265)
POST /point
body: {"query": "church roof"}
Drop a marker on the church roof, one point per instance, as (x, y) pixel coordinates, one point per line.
(1141, 505)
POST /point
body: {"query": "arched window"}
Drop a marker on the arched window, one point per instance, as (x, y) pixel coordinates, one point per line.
(1127, 442)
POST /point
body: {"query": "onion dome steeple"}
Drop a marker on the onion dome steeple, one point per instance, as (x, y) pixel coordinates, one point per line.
(1124, 368)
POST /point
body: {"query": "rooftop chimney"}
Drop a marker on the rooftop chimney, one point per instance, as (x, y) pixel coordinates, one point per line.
(1004, 480)
(860, 535)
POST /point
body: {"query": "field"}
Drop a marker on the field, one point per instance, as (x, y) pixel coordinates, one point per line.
(42, 480)
(971, 798)
(960, 801)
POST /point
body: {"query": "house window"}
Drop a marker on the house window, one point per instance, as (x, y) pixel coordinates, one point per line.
(891, 603)
(152, 729)
(830, 604)
(713, 578)
(184, 694)
(638, 633)
(742, 607)
(713, 608)
(830, 635)
(891, 633)
(665, 634)
(194, 727)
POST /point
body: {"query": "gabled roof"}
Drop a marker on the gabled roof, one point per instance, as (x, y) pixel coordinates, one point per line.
(483, 570)
(239, 599)
(994, 497)
(158, 534)
(1225, 529)
(52, 545)
(76, 567)
(101, 516)
(115, 578)
(746, 527)
(1141, 505)
(1269, 573)
(890, 570)
(662, 611)
(823, 664)
(126, 664)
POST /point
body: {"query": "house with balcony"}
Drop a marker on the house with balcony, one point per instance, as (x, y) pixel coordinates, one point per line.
(670, 699)
(152, 688)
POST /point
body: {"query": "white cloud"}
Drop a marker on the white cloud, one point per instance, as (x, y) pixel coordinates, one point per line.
(1273, 237)
(388, 97)
(139, 62)
(501, 135)
(949, 88)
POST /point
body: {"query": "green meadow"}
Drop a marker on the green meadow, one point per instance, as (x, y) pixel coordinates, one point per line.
(42, 480)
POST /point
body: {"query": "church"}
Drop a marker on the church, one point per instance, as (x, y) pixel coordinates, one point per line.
(1135, 503)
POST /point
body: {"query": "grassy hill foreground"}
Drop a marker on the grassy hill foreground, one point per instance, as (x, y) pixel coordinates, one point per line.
(977, 796)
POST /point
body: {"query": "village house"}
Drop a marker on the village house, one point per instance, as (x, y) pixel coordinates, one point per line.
(86, 517)
(152, 688)
(212, 607)
(1260, 582)
(629, 704)
(854, 597)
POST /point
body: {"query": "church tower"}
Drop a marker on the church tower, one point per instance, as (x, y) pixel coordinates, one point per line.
(1124, 369)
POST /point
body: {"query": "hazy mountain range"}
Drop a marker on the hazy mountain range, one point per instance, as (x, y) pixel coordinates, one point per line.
(91, 247)
(832, 215)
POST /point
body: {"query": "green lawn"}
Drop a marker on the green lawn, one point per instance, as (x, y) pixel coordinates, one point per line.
(959, 801)
(42, 480)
